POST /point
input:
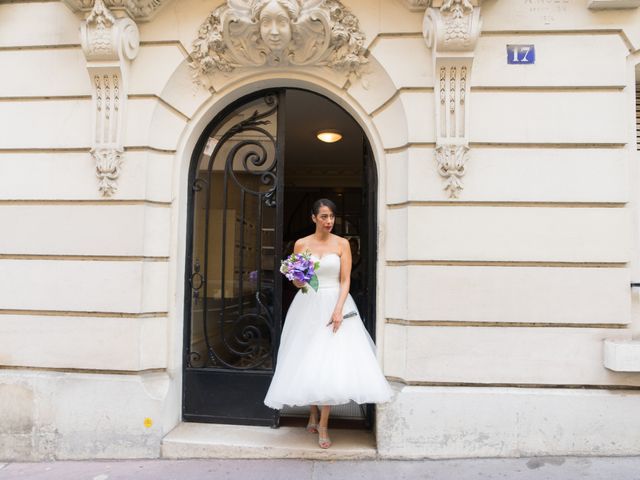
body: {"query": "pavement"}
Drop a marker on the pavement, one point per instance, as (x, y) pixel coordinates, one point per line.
(541, 468)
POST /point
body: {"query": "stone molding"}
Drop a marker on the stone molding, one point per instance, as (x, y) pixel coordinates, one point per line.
(109, 44)
(275, 33)
(613, 4)
(451, 31)
(138, 10)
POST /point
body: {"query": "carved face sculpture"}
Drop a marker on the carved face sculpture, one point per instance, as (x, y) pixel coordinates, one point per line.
(275, 26)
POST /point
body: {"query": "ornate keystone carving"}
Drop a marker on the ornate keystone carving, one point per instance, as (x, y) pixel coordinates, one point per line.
(109, 44)
(452, 31)
(139, 10)
(254, 33)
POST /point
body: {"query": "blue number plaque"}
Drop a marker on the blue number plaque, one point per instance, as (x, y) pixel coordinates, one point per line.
(521, 54)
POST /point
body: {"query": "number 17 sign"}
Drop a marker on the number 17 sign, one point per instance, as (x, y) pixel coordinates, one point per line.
(521, 54)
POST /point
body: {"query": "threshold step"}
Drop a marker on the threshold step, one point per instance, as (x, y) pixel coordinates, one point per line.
(207, 440)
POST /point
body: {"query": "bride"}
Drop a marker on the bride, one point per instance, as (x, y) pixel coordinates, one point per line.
(326, 356)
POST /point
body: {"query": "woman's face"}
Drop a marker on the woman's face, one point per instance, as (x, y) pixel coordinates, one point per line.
(324, 219)
(275, 26)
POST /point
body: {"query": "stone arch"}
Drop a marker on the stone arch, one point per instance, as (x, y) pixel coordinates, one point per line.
(362, 102)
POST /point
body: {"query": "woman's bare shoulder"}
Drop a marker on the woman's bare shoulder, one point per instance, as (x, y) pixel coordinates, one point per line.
(341, 242)
(301, 244)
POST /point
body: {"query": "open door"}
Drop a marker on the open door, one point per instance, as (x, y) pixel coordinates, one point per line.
(232, 307)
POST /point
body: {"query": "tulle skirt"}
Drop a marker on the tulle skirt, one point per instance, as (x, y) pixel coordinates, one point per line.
(316, 366)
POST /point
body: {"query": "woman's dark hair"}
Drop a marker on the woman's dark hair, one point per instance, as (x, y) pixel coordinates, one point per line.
(323, 202)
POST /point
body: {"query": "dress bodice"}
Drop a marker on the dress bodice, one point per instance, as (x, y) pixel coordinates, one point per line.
(329, 270)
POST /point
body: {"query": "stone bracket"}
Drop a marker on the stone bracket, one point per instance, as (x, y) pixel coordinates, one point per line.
(109, 45)
(452, 32)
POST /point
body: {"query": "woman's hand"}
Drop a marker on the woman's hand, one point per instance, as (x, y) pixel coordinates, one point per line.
(297, 283)
(336, 320)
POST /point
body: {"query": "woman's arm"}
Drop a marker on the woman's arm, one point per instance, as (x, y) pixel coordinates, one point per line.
(345, 283)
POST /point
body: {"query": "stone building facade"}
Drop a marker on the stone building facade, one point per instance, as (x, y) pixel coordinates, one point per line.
(502, 135)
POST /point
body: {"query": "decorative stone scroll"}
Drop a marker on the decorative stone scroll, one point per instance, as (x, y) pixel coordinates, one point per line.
(253, 33)
(451, 29)
(138, 10)
(109, 44)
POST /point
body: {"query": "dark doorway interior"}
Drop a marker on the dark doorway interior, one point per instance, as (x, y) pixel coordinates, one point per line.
(314, 169)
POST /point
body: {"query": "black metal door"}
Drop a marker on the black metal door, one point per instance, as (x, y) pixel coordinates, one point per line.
(233, 302)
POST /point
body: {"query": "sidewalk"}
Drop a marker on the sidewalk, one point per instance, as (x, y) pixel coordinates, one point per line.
(543, 468)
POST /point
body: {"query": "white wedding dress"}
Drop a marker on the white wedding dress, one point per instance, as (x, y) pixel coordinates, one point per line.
(316, 366)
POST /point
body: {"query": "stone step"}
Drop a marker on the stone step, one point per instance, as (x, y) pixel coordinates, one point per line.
(205, 440)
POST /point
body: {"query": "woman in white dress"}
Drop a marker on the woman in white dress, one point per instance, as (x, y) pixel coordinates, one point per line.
(324, 358)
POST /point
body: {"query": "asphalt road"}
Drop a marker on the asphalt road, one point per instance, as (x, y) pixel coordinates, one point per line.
(543, 468)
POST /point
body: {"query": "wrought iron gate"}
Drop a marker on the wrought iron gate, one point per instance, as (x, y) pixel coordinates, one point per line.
(233, 306)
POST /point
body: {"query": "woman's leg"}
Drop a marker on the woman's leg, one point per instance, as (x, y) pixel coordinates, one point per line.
(312, 425)
(323, 439)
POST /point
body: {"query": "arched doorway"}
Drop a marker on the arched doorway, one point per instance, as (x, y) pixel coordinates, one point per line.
(254, 173)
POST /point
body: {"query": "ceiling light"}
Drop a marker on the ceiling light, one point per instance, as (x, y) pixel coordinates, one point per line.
(329, 136)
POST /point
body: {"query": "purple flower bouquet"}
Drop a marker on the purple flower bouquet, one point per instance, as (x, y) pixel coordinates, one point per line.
(300, 267)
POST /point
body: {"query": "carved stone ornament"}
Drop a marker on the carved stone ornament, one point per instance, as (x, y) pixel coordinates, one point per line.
(417, 5)
(109, 44)
(108, 163)
(253, 33)
(139, 10)
(451, 162)
(454, 27)
(452, 31)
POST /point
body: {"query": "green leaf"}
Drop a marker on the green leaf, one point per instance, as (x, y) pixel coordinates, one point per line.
(313, 283)
(316, 265)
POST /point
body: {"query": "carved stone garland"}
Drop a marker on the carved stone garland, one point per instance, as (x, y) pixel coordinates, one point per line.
(252, 33)
(109, 44)
(452, 31)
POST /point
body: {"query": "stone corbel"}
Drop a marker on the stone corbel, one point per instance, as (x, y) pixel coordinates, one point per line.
(109, 45)
(451, 29)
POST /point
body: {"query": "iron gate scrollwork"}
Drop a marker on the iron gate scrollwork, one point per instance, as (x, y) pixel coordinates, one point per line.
(233, 274)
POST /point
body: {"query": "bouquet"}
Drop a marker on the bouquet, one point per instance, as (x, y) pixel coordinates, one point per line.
(300, 267)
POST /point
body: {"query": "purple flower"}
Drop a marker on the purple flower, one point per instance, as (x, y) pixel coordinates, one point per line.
(300, 267)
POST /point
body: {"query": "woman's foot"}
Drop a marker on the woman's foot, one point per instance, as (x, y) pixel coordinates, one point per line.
(312, 425)
(323, 437)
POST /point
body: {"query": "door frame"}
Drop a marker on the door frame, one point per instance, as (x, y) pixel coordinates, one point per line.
(201, 120)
